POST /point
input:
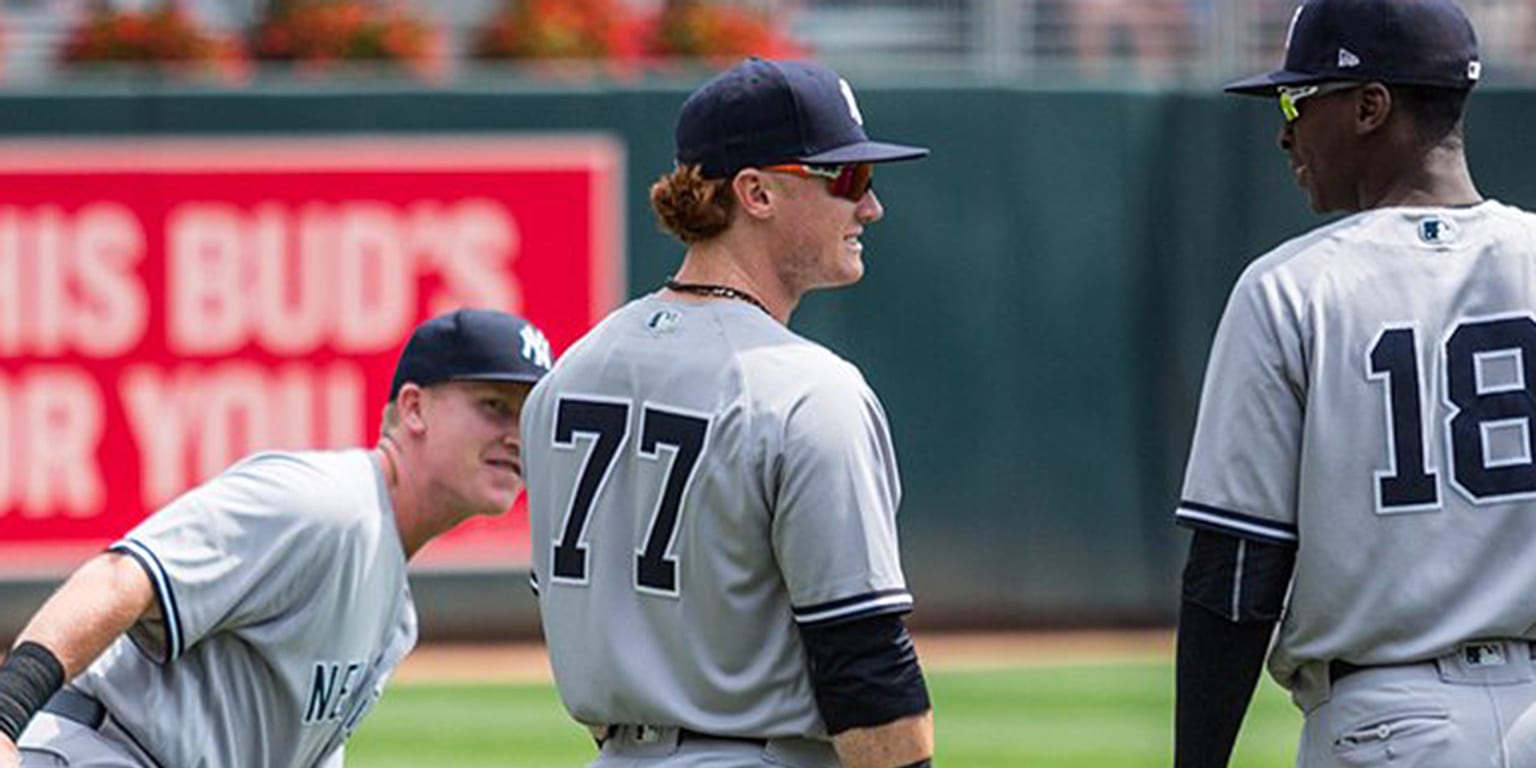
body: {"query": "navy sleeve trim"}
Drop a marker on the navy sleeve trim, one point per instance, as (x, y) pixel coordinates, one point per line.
(169, 610)
(533, 583)
(1197, 515)
(856, 607)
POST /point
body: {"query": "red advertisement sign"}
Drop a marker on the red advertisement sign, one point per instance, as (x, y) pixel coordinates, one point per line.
(168, 306)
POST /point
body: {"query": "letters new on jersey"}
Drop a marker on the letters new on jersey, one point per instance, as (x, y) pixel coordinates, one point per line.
(168, 306)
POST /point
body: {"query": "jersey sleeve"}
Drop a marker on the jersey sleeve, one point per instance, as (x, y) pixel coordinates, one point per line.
(834, 526)
(530, 424)
(230, 552)
(1245, 457)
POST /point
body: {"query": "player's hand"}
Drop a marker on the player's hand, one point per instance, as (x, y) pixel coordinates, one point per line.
(9, 756)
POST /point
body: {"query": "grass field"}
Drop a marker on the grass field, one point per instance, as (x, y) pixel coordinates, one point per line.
(1103, 716)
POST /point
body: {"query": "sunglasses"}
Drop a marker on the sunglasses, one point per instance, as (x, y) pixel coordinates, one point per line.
(1291, 95)
(850, 182)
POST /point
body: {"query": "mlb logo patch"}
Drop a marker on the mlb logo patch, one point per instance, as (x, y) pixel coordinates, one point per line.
(663, 321)
(1434, 230)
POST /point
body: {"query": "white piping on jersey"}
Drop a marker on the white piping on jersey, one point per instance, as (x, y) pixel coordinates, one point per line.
(172, 621)
(1262, 531)
(1237, 577)
(902, 599)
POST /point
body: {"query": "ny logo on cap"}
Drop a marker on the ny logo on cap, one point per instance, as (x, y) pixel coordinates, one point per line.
(1290, 32)
(536, 347)
(853, 106)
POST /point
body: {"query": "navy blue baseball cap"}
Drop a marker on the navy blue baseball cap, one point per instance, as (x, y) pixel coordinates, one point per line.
(1397, 42)
(763, 112)
(472, 345)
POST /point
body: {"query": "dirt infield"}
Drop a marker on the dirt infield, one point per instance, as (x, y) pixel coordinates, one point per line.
(526, 662)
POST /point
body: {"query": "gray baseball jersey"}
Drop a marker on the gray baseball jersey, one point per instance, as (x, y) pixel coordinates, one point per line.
(282, 584)
(701, 480)
(1370, 399)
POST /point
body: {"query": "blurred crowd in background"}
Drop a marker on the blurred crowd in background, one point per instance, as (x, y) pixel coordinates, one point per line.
(1030, 42)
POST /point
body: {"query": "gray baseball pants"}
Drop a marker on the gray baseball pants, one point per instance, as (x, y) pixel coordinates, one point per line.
(1472, 708)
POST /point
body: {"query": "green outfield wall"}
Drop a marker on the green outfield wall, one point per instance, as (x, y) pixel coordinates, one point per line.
(1035, 316)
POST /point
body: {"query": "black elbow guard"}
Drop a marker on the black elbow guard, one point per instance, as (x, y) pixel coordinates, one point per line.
(1241, 580)
(864, 672)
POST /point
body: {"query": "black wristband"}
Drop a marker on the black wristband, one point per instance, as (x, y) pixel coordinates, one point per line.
(29, 677)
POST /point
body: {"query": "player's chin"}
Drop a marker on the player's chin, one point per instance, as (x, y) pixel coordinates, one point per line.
(850, 270)
(497, 504)
(501, 492)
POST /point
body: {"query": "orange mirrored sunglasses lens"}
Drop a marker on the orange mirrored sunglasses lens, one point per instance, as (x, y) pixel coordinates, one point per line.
(853, 182)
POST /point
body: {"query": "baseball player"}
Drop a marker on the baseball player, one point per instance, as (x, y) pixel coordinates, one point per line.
(713, 497)
(254, 620)
(1363, 471)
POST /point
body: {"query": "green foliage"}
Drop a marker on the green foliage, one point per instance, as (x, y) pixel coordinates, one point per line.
(1106, 716)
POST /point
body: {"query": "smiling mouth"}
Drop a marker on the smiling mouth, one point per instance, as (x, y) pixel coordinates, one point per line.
(508, 465)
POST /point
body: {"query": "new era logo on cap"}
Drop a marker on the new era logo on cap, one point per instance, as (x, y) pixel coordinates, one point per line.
(1347, 59)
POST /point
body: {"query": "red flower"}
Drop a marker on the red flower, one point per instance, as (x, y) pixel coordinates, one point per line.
(316, 32)
(554, 29)
(723, 33)
(166, 35)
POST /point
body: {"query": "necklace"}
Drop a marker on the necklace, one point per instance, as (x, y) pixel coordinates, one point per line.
(718, 291)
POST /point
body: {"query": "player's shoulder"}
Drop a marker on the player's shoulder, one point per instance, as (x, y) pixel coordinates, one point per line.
(1346, 245)
(587, 350)
(1504, 212)
(315, 466)
(800, 376)
(320, 486)
(593, 345)
(799, 358)
(1305, 254)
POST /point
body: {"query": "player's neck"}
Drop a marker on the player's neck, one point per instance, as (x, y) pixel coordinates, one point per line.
(726, 263)
(1438, 178)
(407, 505)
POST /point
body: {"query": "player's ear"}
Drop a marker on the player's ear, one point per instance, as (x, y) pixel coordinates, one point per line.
(1373, 106)
(754, 192)
(411, 401)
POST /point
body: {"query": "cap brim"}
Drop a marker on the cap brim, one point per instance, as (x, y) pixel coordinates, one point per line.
(525, 378)
(1265, 84)
(866, 152)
